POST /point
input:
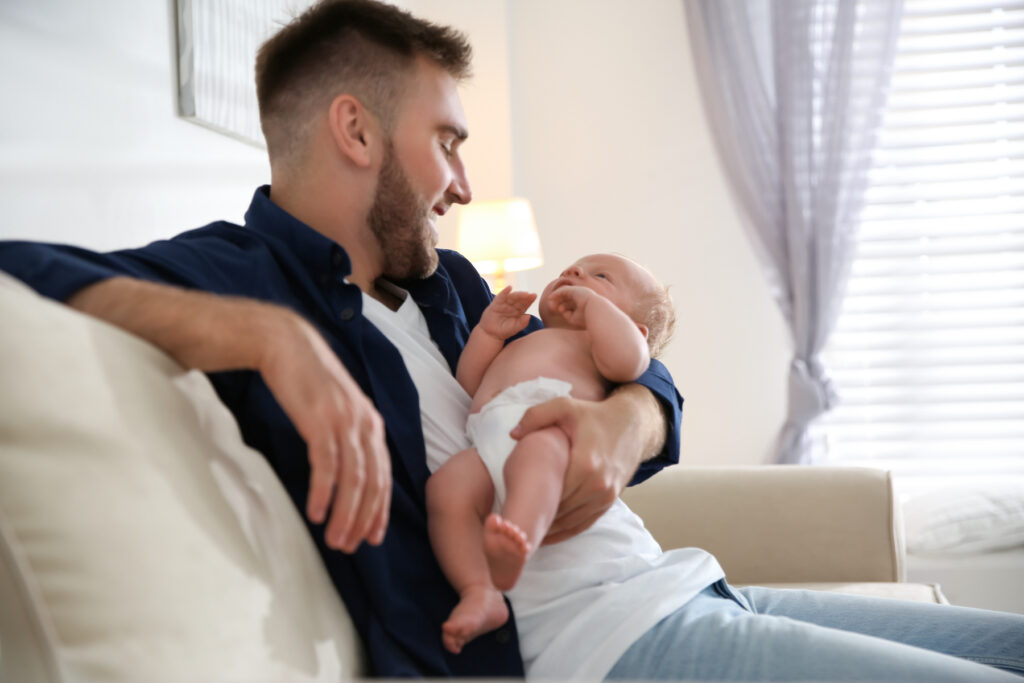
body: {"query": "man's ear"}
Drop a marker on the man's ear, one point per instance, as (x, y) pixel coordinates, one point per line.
(353, 128)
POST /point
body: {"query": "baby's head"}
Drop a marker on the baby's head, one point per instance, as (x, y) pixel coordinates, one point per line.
(626, 284)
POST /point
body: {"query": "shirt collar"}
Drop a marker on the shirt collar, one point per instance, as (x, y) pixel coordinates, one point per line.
(437, 290)
(320, 254)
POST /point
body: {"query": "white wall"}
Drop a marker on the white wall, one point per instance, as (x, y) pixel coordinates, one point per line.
(91, 151)
(612, 147)
(588, 108)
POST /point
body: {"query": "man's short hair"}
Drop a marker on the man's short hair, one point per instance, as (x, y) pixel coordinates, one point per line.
(361, 47)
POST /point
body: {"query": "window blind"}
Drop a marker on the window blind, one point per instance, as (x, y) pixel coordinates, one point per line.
(928, 351)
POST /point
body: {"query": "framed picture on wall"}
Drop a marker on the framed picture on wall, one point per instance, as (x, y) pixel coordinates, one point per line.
(217, 42)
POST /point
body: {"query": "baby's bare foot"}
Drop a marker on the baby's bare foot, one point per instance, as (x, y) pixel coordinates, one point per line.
(506, 548)
(480, 609)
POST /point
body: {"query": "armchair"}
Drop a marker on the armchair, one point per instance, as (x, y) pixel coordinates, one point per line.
(140, 539)
(827, 528)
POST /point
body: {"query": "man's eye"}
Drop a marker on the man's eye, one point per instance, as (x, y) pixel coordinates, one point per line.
(447, 149)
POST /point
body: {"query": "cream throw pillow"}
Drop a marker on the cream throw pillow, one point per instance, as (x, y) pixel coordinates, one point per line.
(966, 519)
(140, 539)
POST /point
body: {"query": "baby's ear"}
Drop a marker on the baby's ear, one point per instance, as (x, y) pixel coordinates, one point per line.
(643, 329)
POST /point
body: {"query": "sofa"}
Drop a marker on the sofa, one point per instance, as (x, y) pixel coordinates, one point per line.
(141, 540)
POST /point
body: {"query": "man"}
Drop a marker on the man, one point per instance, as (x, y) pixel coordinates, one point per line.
(363, 124)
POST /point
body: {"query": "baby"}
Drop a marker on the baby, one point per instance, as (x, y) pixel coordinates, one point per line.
(604, 318)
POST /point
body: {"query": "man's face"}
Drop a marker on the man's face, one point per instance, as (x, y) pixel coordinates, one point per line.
(421, 175)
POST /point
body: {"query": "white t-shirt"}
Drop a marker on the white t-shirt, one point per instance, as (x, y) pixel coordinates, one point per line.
(581, 603)
(445, 411)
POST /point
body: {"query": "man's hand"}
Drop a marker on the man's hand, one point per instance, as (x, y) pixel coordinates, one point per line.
(506, 314)
(348, 457)
(608, 441)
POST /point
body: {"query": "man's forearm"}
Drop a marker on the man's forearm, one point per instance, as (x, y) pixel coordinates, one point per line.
(639, 401)
(199, 330)
(350, 467)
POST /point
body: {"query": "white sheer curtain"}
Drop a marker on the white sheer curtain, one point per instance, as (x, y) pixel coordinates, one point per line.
(794, 91)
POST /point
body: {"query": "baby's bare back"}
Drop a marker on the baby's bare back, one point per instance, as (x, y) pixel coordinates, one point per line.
(557, 353)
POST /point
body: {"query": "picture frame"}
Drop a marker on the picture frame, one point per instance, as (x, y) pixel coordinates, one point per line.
(217, 41)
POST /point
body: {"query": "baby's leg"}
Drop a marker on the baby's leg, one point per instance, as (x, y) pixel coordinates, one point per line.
(533, 473)
(459, 495)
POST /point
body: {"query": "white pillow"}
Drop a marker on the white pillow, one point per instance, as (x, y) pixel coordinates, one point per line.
(140, 539)
(964, 520)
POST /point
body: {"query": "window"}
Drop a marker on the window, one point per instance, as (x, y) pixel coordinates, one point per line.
(928, 351)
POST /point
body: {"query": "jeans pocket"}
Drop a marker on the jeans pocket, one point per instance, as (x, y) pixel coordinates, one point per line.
(724, 590)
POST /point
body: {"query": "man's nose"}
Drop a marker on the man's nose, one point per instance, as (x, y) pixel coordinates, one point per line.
(459, 191)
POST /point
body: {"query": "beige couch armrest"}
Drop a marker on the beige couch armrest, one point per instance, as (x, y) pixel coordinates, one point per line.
(774, 524)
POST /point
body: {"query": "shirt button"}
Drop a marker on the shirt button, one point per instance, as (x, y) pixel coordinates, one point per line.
(503, 636)
(348, 314)
(336, 258)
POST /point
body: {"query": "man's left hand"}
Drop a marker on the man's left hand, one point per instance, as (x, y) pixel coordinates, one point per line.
(608, 441)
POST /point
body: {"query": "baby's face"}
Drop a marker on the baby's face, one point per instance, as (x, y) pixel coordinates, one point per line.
(614, 277)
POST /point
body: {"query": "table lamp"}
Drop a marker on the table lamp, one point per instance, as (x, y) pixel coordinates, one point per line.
(499, 237)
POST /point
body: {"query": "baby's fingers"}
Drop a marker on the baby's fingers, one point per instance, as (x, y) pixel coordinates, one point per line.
(521, 300)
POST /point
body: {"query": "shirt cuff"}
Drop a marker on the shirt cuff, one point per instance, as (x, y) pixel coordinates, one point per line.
(658, 380)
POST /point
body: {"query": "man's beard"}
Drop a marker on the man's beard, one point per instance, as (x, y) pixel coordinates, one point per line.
(400, 224)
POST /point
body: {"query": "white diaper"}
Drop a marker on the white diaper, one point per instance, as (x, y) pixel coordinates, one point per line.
(488, 430)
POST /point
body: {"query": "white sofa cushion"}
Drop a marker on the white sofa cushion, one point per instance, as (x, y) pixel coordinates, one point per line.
(140, 539)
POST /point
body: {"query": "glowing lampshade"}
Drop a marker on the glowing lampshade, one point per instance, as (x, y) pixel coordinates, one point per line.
(499, 237)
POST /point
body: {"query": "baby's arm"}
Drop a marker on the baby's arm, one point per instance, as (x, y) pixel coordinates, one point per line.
(503, 317)
(618, 345)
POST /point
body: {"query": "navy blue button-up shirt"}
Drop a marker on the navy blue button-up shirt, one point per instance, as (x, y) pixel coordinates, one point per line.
(395, 593)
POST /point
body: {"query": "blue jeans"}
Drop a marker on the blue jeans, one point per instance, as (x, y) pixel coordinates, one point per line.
(767, 634)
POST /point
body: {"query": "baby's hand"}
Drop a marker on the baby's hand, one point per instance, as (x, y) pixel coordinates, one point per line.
(571, 302)
(506, 314)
